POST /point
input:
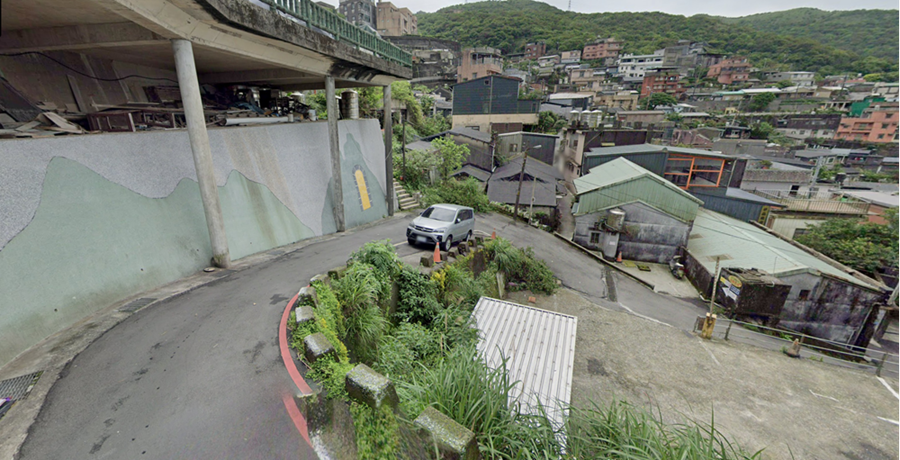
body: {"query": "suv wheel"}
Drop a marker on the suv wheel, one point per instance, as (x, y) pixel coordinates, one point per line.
(445, 246)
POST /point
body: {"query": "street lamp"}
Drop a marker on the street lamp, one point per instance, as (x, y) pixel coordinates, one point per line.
(521, 176)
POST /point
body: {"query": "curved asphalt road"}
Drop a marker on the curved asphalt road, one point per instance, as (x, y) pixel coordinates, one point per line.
(200, 375)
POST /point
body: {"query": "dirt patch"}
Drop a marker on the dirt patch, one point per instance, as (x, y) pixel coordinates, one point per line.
(761, 399)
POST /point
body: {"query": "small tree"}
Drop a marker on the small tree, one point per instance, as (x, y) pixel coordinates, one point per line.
(761, 130)
(550, 123)
(451, 155)
(656, 100)
(759, 102)
(784, 84)
(864, 246)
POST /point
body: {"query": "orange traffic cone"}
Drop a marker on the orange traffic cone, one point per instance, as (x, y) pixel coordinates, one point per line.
(437, 253)
(619, 257)
(493, 235)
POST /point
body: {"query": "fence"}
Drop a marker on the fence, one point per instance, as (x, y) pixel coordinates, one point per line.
(816, 202)
(835, 353)
(318, 16)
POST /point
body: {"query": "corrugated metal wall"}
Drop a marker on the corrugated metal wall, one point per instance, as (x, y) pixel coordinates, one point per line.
(654, 162)
(741, 210)
(473, 97)
(645, 189)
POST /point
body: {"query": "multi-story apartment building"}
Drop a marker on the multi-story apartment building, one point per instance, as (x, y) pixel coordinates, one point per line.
(797, 78)
(586, 79)
(802, 127)
(662, 81)
(731, 70)
(878, 124)
(359, 12)
(535, 50)
(632, 67)
(605, 48)
(393, 21)
(492, 104)
(479, 62)
(570, 57)
(624, 100)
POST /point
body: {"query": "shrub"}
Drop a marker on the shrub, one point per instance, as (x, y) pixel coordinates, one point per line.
(330, 372)
(379, 254)
(377, 431)
(359, 292)
(521, 266)
(409, 347)
(467, 192)
(365, 327)
(418, 297)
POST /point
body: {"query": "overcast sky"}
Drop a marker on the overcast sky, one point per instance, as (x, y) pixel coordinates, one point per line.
(685, 7)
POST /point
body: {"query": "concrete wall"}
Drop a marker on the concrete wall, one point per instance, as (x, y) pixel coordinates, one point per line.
(483, 122)
(650, 235)
(90, 220)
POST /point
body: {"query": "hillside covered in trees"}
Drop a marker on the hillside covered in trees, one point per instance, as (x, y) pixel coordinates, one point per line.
(865, 32)
(510, 24)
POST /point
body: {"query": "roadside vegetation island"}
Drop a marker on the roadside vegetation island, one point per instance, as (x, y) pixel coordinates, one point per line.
(394, 347)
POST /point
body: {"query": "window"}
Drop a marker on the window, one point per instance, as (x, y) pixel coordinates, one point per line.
(889, 115)
(884, 126)
(881, 136)
(804, 293)
(476, 128)
(595, 238)
(513, 147)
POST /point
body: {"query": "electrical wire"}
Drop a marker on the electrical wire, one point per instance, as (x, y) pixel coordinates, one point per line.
(84, 74)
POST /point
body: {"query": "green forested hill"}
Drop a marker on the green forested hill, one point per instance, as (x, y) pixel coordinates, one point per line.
(510, 24)
(866, 32)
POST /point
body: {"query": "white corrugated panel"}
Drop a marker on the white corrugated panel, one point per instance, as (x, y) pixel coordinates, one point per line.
(539, 347)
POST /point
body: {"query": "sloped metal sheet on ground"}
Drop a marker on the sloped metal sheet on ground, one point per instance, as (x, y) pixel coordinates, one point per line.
(539, 346)
(17, 387)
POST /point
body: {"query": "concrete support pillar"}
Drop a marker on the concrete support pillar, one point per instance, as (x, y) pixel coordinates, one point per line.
(203, 164)
(389, 150)
(334, 140)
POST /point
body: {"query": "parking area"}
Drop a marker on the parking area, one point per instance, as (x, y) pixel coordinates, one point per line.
(761, 399)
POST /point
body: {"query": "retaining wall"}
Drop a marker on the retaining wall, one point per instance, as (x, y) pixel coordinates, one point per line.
(91, 220)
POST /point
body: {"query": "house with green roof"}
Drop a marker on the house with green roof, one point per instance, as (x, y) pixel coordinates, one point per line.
(657, 214)
(826, 299)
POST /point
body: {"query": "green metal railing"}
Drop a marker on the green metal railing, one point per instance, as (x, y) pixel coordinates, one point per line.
(325, 19)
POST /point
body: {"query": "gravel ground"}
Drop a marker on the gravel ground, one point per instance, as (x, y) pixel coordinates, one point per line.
(761, 399)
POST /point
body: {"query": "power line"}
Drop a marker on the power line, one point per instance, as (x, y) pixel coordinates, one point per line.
(61, 64)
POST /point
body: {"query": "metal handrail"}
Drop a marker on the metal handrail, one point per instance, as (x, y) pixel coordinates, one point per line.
(878, 364)
(320, 17)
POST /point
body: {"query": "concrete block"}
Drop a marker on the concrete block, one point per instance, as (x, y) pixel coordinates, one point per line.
(443, 256)
(463, 249)
(367, 386)
(307, 296)
(304, 314)
(337, 273)
(317, 346)
(426, 261)
(478, 263)
(323, 278)
(453, 253)
(453, 440)
(479, 239)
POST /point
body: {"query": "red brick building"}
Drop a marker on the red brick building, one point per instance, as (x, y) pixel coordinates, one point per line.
(662, 81)
(535, 50)
(731, 70)
(602, 49)
(878, 124)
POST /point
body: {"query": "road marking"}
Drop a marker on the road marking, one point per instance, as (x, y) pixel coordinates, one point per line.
(822, 396)
(400, 244)
(711, 355)
(642, 316)
(888, 387)
(889, 420)
(296, 416)
(286, 352)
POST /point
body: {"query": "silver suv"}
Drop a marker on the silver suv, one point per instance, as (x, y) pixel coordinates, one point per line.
(442, 224)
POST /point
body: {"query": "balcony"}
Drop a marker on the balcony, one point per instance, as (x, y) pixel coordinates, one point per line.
(816, 202)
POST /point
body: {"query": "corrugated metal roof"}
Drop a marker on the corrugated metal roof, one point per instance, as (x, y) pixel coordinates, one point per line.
(539, 346)
(650, 148)
(620, 171)
(743, 245)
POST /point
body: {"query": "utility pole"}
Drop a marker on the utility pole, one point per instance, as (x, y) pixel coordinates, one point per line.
(712, 298)
(389, 149)
(531, 206)
(403, 142)
(519, 192)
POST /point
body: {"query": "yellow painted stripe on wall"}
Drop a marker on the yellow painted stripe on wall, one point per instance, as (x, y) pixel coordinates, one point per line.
(363, 192)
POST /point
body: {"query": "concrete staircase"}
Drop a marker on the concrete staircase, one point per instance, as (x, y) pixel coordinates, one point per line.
(404, 199)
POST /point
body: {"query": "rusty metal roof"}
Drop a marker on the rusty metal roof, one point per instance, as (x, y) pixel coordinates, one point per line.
(539, 346)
